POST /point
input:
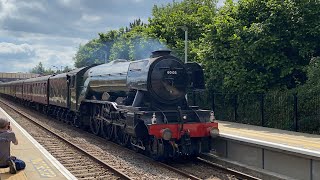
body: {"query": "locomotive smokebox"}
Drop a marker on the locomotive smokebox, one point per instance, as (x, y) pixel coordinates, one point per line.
(159, 53)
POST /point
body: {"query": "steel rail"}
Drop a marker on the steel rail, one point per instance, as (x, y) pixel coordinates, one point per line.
(180, 172)
(171, 168)
(236, 173)
(186, 174)
(102, 163)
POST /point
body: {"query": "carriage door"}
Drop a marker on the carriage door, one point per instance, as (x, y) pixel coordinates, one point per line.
(72, 92)
(68, 91)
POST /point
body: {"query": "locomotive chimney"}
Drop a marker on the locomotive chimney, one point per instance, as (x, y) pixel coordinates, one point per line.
(160, 53)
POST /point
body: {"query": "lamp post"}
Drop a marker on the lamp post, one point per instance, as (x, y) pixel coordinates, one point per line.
(185, 28)
(185, 44)
(56, 67)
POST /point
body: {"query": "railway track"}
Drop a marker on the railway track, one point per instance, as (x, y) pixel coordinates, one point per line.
(81, 163)
(205, 169)
(80, 168)
(213, 170)
(237, 174)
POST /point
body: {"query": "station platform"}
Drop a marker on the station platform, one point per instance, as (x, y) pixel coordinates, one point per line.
(307, 144)
(40, 164)
(282, 154)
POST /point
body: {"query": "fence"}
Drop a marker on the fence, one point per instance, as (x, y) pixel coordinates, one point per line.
(281, 110)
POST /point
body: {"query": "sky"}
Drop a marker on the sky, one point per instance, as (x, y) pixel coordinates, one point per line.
(50, 31)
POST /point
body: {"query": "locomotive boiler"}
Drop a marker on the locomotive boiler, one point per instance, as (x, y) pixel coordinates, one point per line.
(162, 78)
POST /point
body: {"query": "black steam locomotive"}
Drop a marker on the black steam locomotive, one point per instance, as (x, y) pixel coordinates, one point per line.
(141, 104)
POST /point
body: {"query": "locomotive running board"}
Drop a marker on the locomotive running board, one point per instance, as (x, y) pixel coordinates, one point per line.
(114, 104)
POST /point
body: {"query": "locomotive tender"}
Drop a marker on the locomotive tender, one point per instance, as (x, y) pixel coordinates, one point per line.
(141, 104)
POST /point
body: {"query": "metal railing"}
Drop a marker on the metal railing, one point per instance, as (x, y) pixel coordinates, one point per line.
(281, 110)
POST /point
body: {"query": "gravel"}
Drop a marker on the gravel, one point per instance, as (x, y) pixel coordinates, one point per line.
(130, 163)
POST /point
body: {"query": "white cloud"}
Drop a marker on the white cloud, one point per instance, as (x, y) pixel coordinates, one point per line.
(16, 50)
(58, 58)
(89, 18)
(138, 1)
(23, 57)
(51, 31)
(6, 8)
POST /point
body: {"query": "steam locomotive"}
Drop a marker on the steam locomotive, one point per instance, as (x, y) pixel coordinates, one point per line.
(141, 104)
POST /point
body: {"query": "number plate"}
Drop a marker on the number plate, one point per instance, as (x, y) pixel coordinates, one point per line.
(172, 72)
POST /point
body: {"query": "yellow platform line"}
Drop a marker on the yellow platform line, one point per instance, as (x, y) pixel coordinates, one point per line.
(268, 135)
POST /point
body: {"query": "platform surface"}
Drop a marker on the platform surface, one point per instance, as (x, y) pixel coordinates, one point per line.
(308, 144)
(39, 163)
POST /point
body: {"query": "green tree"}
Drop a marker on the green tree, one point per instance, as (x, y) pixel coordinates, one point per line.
(91, 53)
(312, 86)
(120, 47)
(167, 22)
(255, 45)
(66, 69)
(98, 50)
(135, 44)
(108, 39)
(38, 69)
(49, 71)
(248, 46)
(136, 23)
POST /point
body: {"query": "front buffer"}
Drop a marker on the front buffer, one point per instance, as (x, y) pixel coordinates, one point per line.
(185, 139)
